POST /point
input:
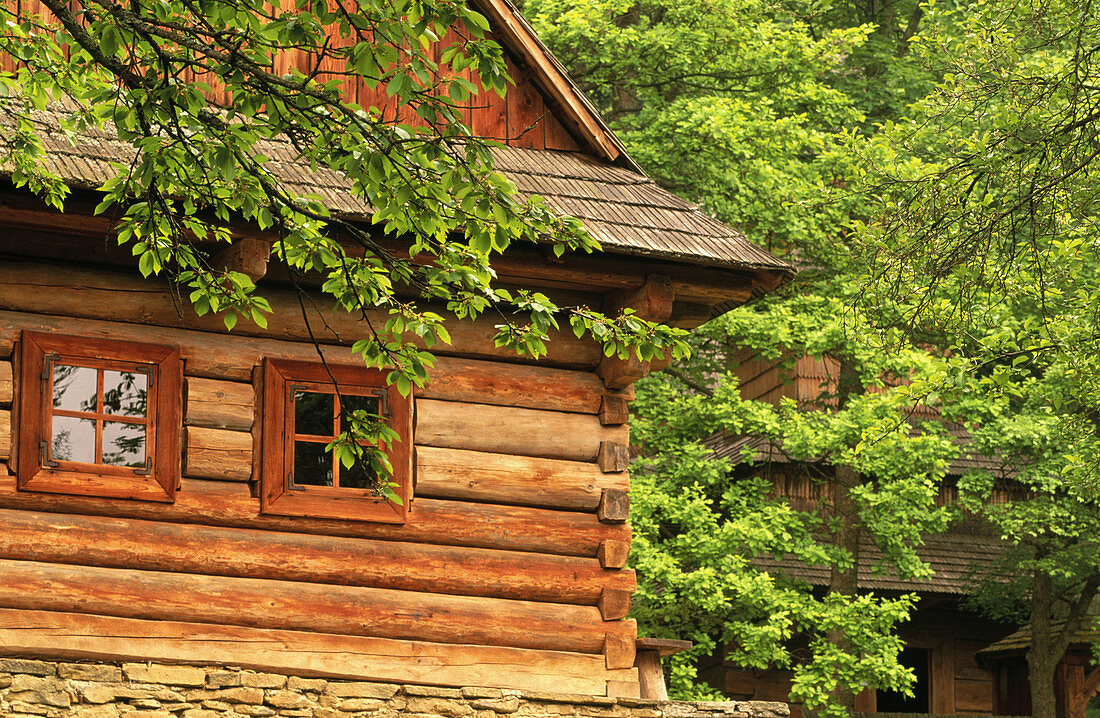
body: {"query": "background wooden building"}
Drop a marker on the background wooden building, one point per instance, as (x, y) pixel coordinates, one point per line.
(943, 637)
(156, 515)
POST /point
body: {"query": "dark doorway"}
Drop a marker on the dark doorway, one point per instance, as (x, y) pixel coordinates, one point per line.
(918, 660)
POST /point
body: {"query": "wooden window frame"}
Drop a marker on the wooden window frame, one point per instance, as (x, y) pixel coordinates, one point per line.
(159, 480)
(281, 377)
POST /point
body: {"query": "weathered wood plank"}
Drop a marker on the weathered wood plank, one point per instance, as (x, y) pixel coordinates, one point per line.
(247, 553)
(433, 521)
(214, 404)
(509, 430)
(217, 454)
(56, 289)
(506, 479)
(6, 386)
(323, 608)
(55, 635)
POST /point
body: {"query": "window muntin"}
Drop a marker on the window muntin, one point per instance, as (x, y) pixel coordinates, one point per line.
(303, 413)
(99, 417)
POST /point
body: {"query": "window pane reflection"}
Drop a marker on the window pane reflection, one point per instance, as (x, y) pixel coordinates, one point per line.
(123, 444)
(72, 439)
(74, 387)
(124, 393)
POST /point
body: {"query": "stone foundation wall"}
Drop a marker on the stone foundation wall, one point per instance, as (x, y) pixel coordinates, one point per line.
(32, 689)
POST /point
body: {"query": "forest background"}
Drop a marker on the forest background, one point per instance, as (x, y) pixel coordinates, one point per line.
(927, 166)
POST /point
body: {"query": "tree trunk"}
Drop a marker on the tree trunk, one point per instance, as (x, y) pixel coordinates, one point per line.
(1042, 659)
(844, 581)
(1049, 645)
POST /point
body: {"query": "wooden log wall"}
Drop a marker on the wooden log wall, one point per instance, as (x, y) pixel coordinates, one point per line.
(514, 548)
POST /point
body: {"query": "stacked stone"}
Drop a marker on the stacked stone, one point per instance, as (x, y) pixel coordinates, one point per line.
(36, 689)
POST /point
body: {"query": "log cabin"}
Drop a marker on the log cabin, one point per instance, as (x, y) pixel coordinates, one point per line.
(164, 494)
(944, 637)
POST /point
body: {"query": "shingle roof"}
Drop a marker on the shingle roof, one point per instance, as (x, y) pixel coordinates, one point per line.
(955, 560)
(623, 209)
(725, 446)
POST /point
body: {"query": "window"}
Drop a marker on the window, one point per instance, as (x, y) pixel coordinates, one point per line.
(303, 413)
(99, 417)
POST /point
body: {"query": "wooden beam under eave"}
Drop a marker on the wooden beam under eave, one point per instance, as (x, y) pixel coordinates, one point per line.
(653, 301)
(246, 255)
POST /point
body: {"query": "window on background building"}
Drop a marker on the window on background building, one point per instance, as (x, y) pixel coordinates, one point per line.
(303, 413)
(919, 661)
(99, 417)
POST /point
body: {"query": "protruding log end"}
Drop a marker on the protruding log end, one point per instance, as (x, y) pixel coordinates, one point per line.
(620, 373)
(613, 457)
(246, 255)
(614, 507)
(614, 603)
(614, 554)
(619, 651)
(614, 409)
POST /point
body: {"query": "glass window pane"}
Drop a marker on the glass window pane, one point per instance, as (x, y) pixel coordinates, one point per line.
(312, 464)
(74, 387)
(124, 392)
(351, 403)
(313, 413)
(73, 439)
(358, 478)
(124, 444)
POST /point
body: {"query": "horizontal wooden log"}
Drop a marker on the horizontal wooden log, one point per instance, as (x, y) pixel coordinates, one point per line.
(5, 434)
(232, 358)
(56, 289)
(74, 636)
(433, 521)
(217, 454)
(508, 430)
(151, 545)
(322, 608)
(625, 688)
(217, 404)
(484, 382)
(6, 386)
(506, 479)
